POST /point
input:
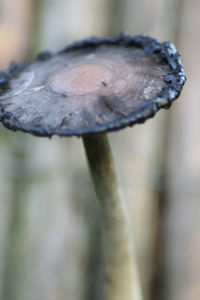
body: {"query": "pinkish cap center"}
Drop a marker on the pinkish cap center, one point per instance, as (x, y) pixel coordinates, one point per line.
(81, 79)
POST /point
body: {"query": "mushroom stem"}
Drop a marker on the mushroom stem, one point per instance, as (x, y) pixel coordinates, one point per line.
(120, 269)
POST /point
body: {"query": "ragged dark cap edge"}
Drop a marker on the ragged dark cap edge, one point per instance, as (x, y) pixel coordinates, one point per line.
(175, 80)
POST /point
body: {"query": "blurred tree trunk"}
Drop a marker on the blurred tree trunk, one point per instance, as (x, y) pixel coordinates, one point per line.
(62, 221)
(15, 28)
(182, 220)
(51, 250)
(143, 147)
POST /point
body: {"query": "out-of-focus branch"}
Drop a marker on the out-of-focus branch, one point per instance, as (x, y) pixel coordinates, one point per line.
(15, 28)
(182, 223)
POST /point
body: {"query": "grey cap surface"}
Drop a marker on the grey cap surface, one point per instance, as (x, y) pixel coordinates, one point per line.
(91, 86)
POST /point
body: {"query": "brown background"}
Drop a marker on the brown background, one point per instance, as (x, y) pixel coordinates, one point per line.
(49, 229)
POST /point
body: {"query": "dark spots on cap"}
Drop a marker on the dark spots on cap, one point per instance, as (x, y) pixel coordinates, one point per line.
(63, 95)
(111, 104)
(170, 78)
(18, 112)
(27, 103)
(43, 56)
(16, 67)
(64, 122)
(104, 83)
(3, 80)
(37, 121)
(107, 103)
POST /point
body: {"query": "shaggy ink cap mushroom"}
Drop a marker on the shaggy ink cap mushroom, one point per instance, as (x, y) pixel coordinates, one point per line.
(95, 86)
(92, 86)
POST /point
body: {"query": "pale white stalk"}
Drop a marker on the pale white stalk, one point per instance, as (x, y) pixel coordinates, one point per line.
(120, 268)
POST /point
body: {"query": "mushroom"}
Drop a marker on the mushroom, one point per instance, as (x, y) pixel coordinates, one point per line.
(87, 89)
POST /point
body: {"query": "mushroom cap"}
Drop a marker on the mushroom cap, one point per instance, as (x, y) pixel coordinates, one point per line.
(92, 86)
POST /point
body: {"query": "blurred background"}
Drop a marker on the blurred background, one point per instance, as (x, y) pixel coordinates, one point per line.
(50, 247)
